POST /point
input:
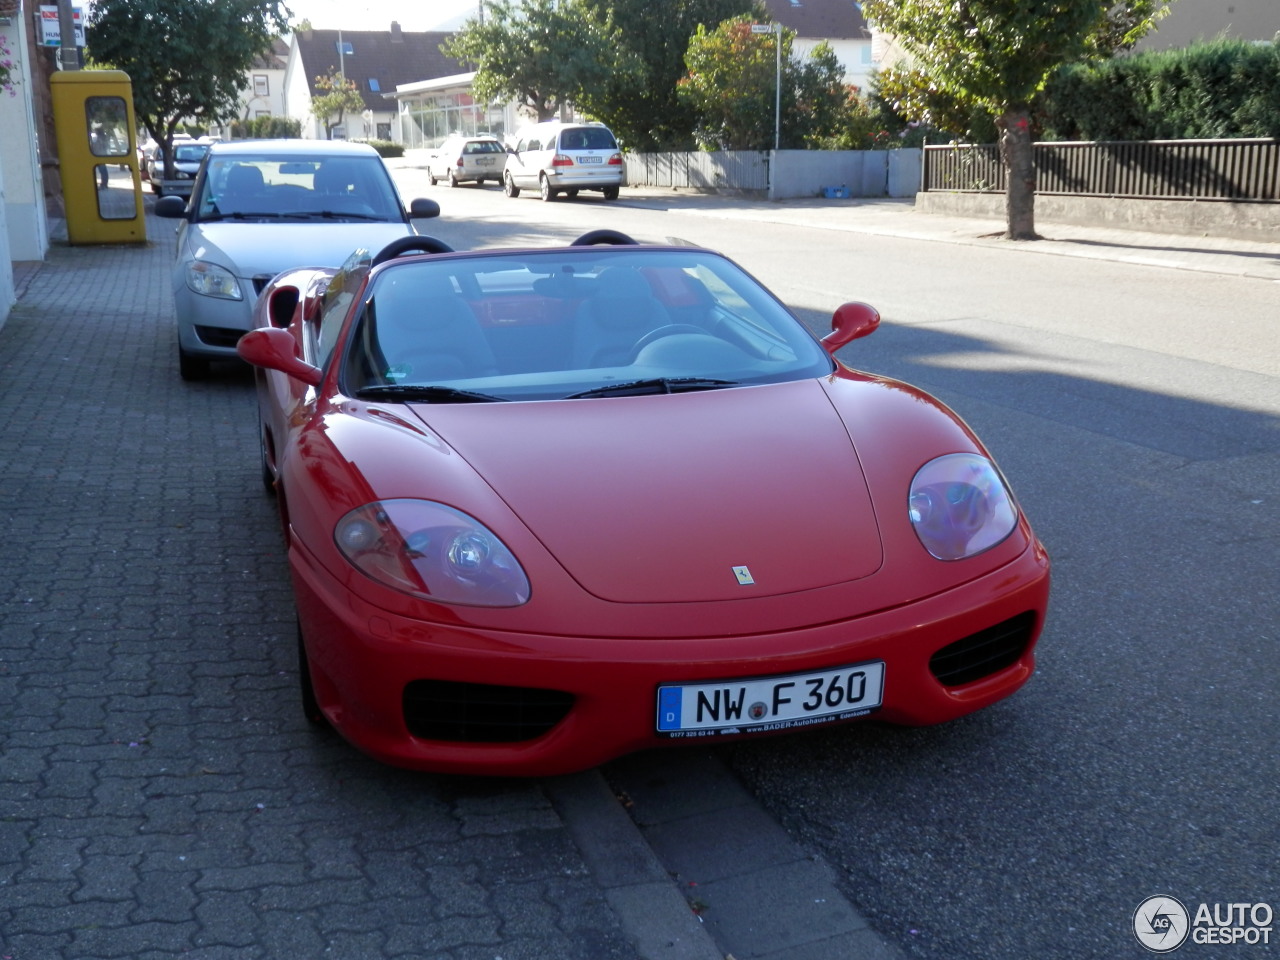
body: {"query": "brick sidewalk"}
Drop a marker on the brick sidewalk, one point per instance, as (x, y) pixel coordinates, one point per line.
(160, 793)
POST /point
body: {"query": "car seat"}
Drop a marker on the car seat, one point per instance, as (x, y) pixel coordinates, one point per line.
(620, 311)
(242, 190)
(425, 331)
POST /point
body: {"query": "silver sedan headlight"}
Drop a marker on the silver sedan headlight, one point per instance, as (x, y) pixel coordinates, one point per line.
(210, 280)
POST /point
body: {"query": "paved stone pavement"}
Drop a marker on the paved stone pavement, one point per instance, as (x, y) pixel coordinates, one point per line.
(161, 795)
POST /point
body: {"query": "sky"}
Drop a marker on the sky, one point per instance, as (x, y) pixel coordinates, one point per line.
(414, 15)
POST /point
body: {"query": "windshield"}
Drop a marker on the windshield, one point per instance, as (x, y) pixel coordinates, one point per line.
(483, 146)
(298, 188)
(590, 324)
(190, 153)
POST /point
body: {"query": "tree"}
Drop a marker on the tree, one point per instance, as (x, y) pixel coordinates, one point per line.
(908, 94)
(539, 53)
(995, 56)
(997, 53)
(339, 95)
(638, 100)
(732, 88)
(186, 60)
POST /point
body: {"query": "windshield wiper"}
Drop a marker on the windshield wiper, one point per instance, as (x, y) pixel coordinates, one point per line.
(635, 388)
(336, 215)
(238, 215)
(425, 393)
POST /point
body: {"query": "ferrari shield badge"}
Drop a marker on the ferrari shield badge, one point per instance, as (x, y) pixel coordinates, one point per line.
(744, 576)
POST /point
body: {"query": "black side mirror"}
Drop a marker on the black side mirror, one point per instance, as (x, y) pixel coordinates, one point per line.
(423, 209)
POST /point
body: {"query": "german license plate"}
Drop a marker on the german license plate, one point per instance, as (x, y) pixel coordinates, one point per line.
(484, 161)
(769, 703)
(590, 160)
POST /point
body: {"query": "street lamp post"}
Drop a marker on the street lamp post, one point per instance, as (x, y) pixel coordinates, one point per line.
(776, 30)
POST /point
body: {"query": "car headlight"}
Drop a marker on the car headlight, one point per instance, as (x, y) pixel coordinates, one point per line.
(959, 506)
(210, 280)
(432, 551)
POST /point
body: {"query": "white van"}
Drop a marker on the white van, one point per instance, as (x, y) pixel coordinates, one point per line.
(557, 158)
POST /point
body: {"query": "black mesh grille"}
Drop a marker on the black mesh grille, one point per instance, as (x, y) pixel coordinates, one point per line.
(219, 336)
(481, 713)
(983, 653)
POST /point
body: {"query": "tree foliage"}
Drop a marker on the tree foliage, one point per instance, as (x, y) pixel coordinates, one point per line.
(732, 88)
(638, 100)
(187, 60)
(539, 53)
(996, 54)
(336, 95)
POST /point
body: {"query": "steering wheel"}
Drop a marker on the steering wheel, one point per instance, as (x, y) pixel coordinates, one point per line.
(612, 237)
(668, 330)
(403, 245)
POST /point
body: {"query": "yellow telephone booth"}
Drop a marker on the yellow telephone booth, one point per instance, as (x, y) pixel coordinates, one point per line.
(97, 156)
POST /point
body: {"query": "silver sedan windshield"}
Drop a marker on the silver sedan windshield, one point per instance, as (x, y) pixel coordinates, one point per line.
(297, 188)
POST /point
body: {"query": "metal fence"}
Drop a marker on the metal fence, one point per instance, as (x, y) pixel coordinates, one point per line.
(1243, 169)
(735, 169)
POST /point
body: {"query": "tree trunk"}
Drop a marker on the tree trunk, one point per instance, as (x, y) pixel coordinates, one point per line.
(1020, 171)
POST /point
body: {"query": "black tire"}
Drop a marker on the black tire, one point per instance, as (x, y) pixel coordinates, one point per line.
(306, 689)
(611, 193)
(431, 177)
(545, 191)
(268, 478)
(453, 179)
(192, 367)
(509, 186)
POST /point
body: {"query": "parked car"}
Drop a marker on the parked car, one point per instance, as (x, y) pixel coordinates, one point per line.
(555, 158)
(547, 506)
(262, 206)
(146, 149)
(467, 159)
(187, 156)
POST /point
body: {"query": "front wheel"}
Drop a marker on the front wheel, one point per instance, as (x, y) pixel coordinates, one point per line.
(547, 193)
(191, 367)
(509, 186)
(306, 689)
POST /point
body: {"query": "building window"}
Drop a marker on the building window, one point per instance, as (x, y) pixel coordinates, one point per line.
(345, 48)
(261, 85)
(374, 85)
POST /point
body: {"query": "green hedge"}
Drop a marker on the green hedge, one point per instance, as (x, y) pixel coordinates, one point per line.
(386, 148)
(1223, 88)
(266, 128)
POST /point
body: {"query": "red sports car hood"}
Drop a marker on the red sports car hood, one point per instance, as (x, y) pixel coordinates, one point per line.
(721, 495)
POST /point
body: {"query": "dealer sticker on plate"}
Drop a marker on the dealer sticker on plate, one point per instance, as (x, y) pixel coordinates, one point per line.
(769, 703)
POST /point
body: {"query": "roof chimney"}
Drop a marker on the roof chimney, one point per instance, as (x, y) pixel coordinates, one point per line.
(396, 36)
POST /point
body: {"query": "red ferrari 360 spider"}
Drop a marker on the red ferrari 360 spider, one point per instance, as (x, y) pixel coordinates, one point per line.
(547, 506)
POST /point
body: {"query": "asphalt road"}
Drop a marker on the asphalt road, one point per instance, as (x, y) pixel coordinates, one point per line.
(1135, 409)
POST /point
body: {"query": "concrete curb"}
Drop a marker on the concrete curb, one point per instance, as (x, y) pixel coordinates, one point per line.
(700, 871)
